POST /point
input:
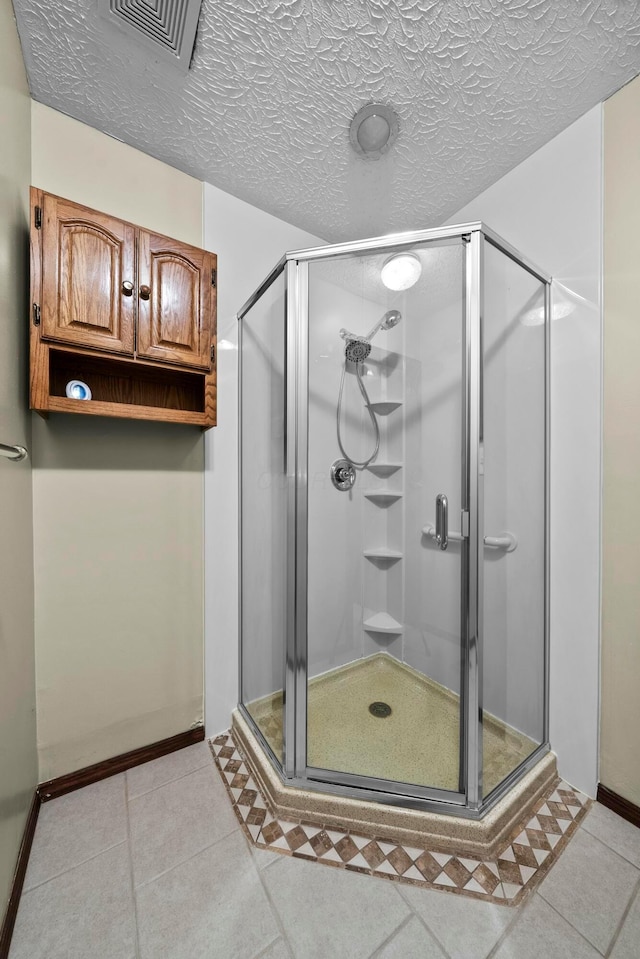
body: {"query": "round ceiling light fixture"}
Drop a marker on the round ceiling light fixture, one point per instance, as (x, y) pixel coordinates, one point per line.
(401, 271)
(373, 130)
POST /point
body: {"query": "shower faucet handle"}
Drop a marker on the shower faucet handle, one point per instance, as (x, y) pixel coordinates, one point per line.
(442, 521)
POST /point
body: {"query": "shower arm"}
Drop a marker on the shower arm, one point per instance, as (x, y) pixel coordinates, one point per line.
(357, 337)
(391, 317)
(353, 337)
(375, 329)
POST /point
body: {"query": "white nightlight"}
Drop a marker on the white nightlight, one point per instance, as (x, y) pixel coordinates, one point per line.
(373, 130)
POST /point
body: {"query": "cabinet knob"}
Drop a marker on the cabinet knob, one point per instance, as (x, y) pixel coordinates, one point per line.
(127, 287)
(145, 292)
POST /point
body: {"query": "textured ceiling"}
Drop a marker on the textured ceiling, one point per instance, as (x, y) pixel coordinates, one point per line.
(263, 113)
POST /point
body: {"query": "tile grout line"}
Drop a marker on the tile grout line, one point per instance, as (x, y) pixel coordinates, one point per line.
(616, 935)
(423, 922)
(64, 872)
(147, 882)
(391, 936)
(269, 864)
(131, 877)
(627, 908)
(520, 910)
(267, 948)
(569, 923)
(606, 844)
(169, 781)
(272, 905)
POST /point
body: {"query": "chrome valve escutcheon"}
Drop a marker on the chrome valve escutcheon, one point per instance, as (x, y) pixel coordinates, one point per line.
(343, 475)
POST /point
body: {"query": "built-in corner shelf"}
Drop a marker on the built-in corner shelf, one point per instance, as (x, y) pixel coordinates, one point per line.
(383, 623)
(384, 469)
(384, 407)
(383, 555)
(383, 497)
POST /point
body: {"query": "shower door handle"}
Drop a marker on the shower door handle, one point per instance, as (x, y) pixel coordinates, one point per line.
(442, 521)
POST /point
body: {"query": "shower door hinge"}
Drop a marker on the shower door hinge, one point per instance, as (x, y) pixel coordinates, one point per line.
(464, 523)
(37, 217)
(36, 315)
(214, 277)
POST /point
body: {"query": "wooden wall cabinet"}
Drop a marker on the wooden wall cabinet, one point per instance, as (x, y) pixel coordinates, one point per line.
(129, 312)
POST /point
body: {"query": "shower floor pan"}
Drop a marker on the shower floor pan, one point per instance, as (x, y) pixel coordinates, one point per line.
(417, 743)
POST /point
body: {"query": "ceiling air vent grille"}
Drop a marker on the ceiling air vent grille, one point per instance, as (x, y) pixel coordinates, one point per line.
(168, 27)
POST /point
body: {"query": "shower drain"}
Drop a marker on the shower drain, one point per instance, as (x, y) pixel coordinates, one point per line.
(381, 710)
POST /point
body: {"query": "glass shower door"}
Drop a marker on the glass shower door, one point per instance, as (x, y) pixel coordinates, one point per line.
(386, 522)
(263, 506)
(514, 444)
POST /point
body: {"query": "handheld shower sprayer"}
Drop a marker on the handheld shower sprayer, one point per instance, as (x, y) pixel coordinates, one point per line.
(356, 351)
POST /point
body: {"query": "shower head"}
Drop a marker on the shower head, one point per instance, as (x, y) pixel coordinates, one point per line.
(390, 319)
(356, 351)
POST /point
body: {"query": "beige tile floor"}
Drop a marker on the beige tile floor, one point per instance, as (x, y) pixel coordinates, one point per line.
(152, 864)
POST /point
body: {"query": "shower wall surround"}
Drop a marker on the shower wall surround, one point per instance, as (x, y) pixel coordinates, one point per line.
(337, 566)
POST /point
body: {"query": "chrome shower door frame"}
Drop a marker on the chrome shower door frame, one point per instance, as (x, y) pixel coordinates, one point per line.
(469, 800)
(297, 405)
(472, 567)
(298, 772)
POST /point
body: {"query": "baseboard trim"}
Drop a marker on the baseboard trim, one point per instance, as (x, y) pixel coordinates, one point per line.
(618, 804)
(9, 921)
(118, 764)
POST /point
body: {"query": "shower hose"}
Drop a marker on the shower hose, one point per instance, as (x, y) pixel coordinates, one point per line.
(367, 403)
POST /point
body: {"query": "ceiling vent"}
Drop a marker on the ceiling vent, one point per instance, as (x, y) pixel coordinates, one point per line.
(167, 27)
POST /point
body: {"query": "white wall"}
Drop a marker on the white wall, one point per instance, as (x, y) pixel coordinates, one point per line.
(550, 208)
(248, 243)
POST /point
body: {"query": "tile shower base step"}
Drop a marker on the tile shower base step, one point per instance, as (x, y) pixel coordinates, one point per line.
(505, 877)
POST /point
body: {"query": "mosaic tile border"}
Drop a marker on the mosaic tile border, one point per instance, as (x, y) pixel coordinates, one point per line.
(504, 879)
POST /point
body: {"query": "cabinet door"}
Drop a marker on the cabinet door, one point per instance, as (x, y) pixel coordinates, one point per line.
(86, 259)
(176, 301)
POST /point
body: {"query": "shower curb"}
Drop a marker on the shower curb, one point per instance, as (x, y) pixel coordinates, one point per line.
(504, 878)
(444, 832)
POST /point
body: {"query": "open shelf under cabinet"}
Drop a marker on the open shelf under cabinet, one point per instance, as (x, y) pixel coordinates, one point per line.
(129, 389)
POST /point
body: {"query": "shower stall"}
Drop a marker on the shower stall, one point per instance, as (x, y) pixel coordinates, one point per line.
(394, 518)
